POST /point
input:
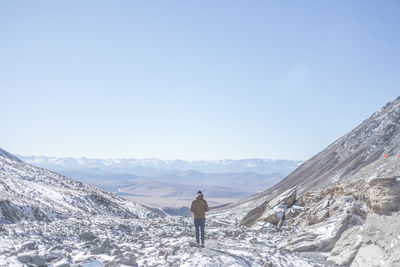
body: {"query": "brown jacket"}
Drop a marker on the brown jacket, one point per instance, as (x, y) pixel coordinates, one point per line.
(199, 207)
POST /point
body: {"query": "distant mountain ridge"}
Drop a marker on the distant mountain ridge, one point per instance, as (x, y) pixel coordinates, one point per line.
(172, 183)
(151, 167)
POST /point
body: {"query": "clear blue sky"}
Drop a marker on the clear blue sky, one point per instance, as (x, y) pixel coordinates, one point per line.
(192, 79)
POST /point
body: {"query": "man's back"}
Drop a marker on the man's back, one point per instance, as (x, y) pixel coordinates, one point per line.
(199, 208)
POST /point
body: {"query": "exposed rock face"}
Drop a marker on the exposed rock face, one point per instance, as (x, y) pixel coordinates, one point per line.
(321, 224)
(319, 212)
(347, 246)
(384, 195)
(338, 219)
(370, 255)
(329, 212)
(350, 205)
(287, 198)
(293, 212)
(253, 215)
(317, 237)
(276, 208)
(273, 211)
(380, 241)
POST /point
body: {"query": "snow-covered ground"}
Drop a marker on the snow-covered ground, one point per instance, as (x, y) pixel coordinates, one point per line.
(110, 241)
(47, 219)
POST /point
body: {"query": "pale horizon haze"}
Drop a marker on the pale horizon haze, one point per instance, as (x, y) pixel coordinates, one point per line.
(192, 80)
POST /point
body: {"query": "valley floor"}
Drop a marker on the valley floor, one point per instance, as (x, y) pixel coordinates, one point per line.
(108, 241)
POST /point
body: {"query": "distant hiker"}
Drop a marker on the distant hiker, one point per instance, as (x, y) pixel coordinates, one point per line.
(199, 208)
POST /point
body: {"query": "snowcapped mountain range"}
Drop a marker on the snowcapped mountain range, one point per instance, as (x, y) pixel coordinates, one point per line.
(152, 167)
(171, 184)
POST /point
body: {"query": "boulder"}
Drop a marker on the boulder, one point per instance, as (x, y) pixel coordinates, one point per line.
(53, 256)
(103, 248)
(277, 207)
(318, 212)
(115, 252)
(370, 255)
(274, 214)
(317, 237)
(308, 198)
(38, 261)
(384, 195)
(272, 211)
(347, 246)
(381, 241)
(162, 253)
(31, 245)
(87, 236)
(294, 211)
(24, 258)
(287, 198)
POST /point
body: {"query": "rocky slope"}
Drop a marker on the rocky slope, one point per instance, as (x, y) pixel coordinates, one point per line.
(340, 202)
(31, 193)
(353, 223)
(356, 155)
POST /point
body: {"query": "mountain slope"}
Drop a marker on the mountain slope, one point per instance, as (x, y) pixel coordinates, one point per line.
(29, 192)
(340, 200)
(8, 155)
(356, 155)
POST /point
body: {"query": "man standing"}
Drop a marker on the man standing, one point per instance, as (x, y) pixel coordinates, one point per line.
(199, 208)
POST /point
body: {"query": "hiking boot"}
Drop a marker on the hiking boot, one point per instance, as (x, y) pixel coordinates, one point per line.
(202, 245)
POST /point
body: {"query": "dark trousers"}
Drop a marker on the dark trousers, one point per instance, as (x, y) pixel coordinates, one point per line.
(199, 224)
